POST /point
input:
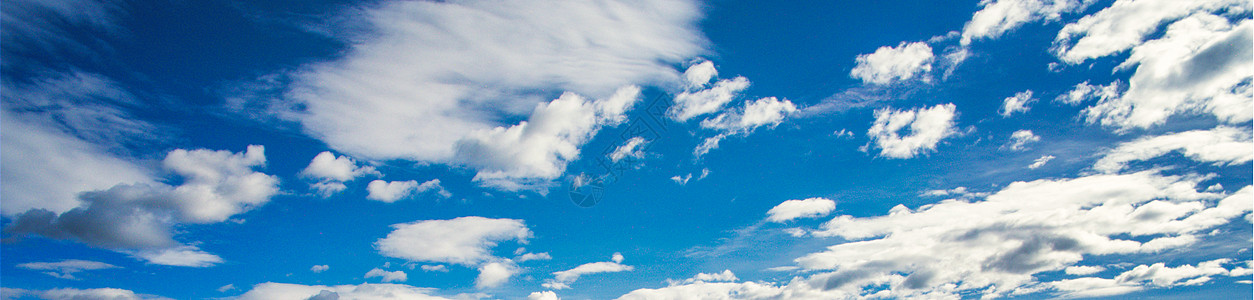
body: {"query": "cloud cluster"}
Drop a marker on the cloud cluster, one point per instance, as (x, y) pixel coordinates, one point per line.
(435, 81)
(1220, 145)
(464, 241)
(331, 172)
(927, 127)
(140, 218)
(287, 291)
(387, 276)
(889, 64)
(392, 191)
(699, 100)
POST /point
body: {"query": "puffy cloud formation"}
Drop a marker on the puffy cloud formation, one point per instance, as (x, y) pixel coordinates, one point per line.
(1220, 145)
(532, 152)
(331, 172)
(215, 186)
(698, 100)
(387, 276)
(494, 274)
(545, 295)
(1201, 64)
(432, 81)
(889, 64)
(286, 291)
(464, 241)
(65, 269)
(767, 111)
(392, 191)
(1021, 138)
(1017, 103)
(319, 268)
(795, 209)
(630, 148)
(995, 18)
(927, 127)
(1084, 91)
(563, 279)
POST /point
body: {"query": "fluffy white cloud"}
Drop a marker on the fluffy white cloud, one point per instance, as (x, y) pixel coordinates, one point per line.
(530, 153)
(326, 166)
(1143, 276)
(1220, 145)
(434, 268)
(563, 279)
(215, 186)
(698, 75)
(713, 291)
(387, 276)
(1202, 63)
(725, 276)
(545, 295)
(1020, 139)
(630, 148)
(1000, 16)
(744, 120)
(795, 209)
(465, 240)
(65, 269)
(1041, 161)
(1083, 270)
(927, 127)
(392, 191)
(690, 104)
(286, 291)
(77, 294)
(888, 64)
(533, 256)
(319, 268)
(1017, 103)
(432, 81)
(996, 245)
(494, 274)
(1084, 91)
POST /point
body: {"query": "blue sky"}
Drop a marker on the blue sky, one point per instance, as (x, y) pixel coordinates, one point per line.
(626, 149)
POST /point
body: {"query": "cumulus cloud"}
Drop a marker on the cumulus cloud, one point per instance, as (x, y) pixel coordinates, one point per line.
(392, 191)
(533, 256)
(286, 291)
(1084, 91)
(1021, 138)
(690, 104)
(387, 276)
(927, 127)
(1220, 145)
(631, 148)
(889, 64)
(78, 294)
(464, 241)
(319, 268)
(494, 274)
(65, 269)
(1040, 162)
(995, 18)
(767, 111)
(795, 209)
(1201, 64)
(434, 81)
(563, 279)
(1017, 103)
(331, 172)
(532, 152)
(545, 295)
(140, 218)
(434, 268)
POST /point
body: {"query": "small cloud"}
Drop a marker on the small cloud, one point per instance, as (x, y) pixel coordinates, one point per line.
(65, 269)
(388, 276)
(1040, 161)
(795, 209)
(1020, 138)
(319, 268)
(434, 268)
(225, 288)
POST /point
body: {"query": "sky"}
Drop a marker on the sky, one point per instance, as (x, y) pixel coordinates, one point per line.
(605, 149)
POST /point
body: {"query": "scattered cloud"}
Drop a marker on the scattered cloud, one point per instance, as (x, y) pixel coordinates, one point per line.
(995, 18)
(631, 148)
(796, 209)
(927, 127)
(690, 104)
(331, 172)
(287, 291)
(463, 241)
(563, 279)
(387, 276)
(434, 268)
(65, 269)
(392, 191)
(1021, 138)
(319, 268)
(1040, 162)
(1220, 145)
(494, 274)
(226, 288)
(1084, 91)
(77, 294)
(545, 295)
(533, 256)
(1017, 103)
(889, 64)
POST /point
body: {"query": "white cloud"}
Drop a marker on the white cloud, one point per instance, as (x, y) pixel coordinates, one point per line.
(183, 256)
(927, 127)
(715, 290)
(690, 104)
(494, 274)
(527, 155)
(545, 295)
(1083, 270)
(328, 188)
(434, 268)
(725, 276)
(215, 186)
(431, 81)
(533, 256)
(387, 276)
(563, 279)
(225, 288)
(392, 191)
(464, 241)
(326, 166)
(1000, 16)
(1201, 64)
(65, 269)
(1017, 103)
(767, 111)
(888, 64)
(630, 148)
(958, 192)
(319, 268)
(997, 244)
(1220, 145)
(795, 209)
(700, 74)
(1084, 91)
(1041, 161)
(77, 294)
(1021, 138)
(286, 291)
